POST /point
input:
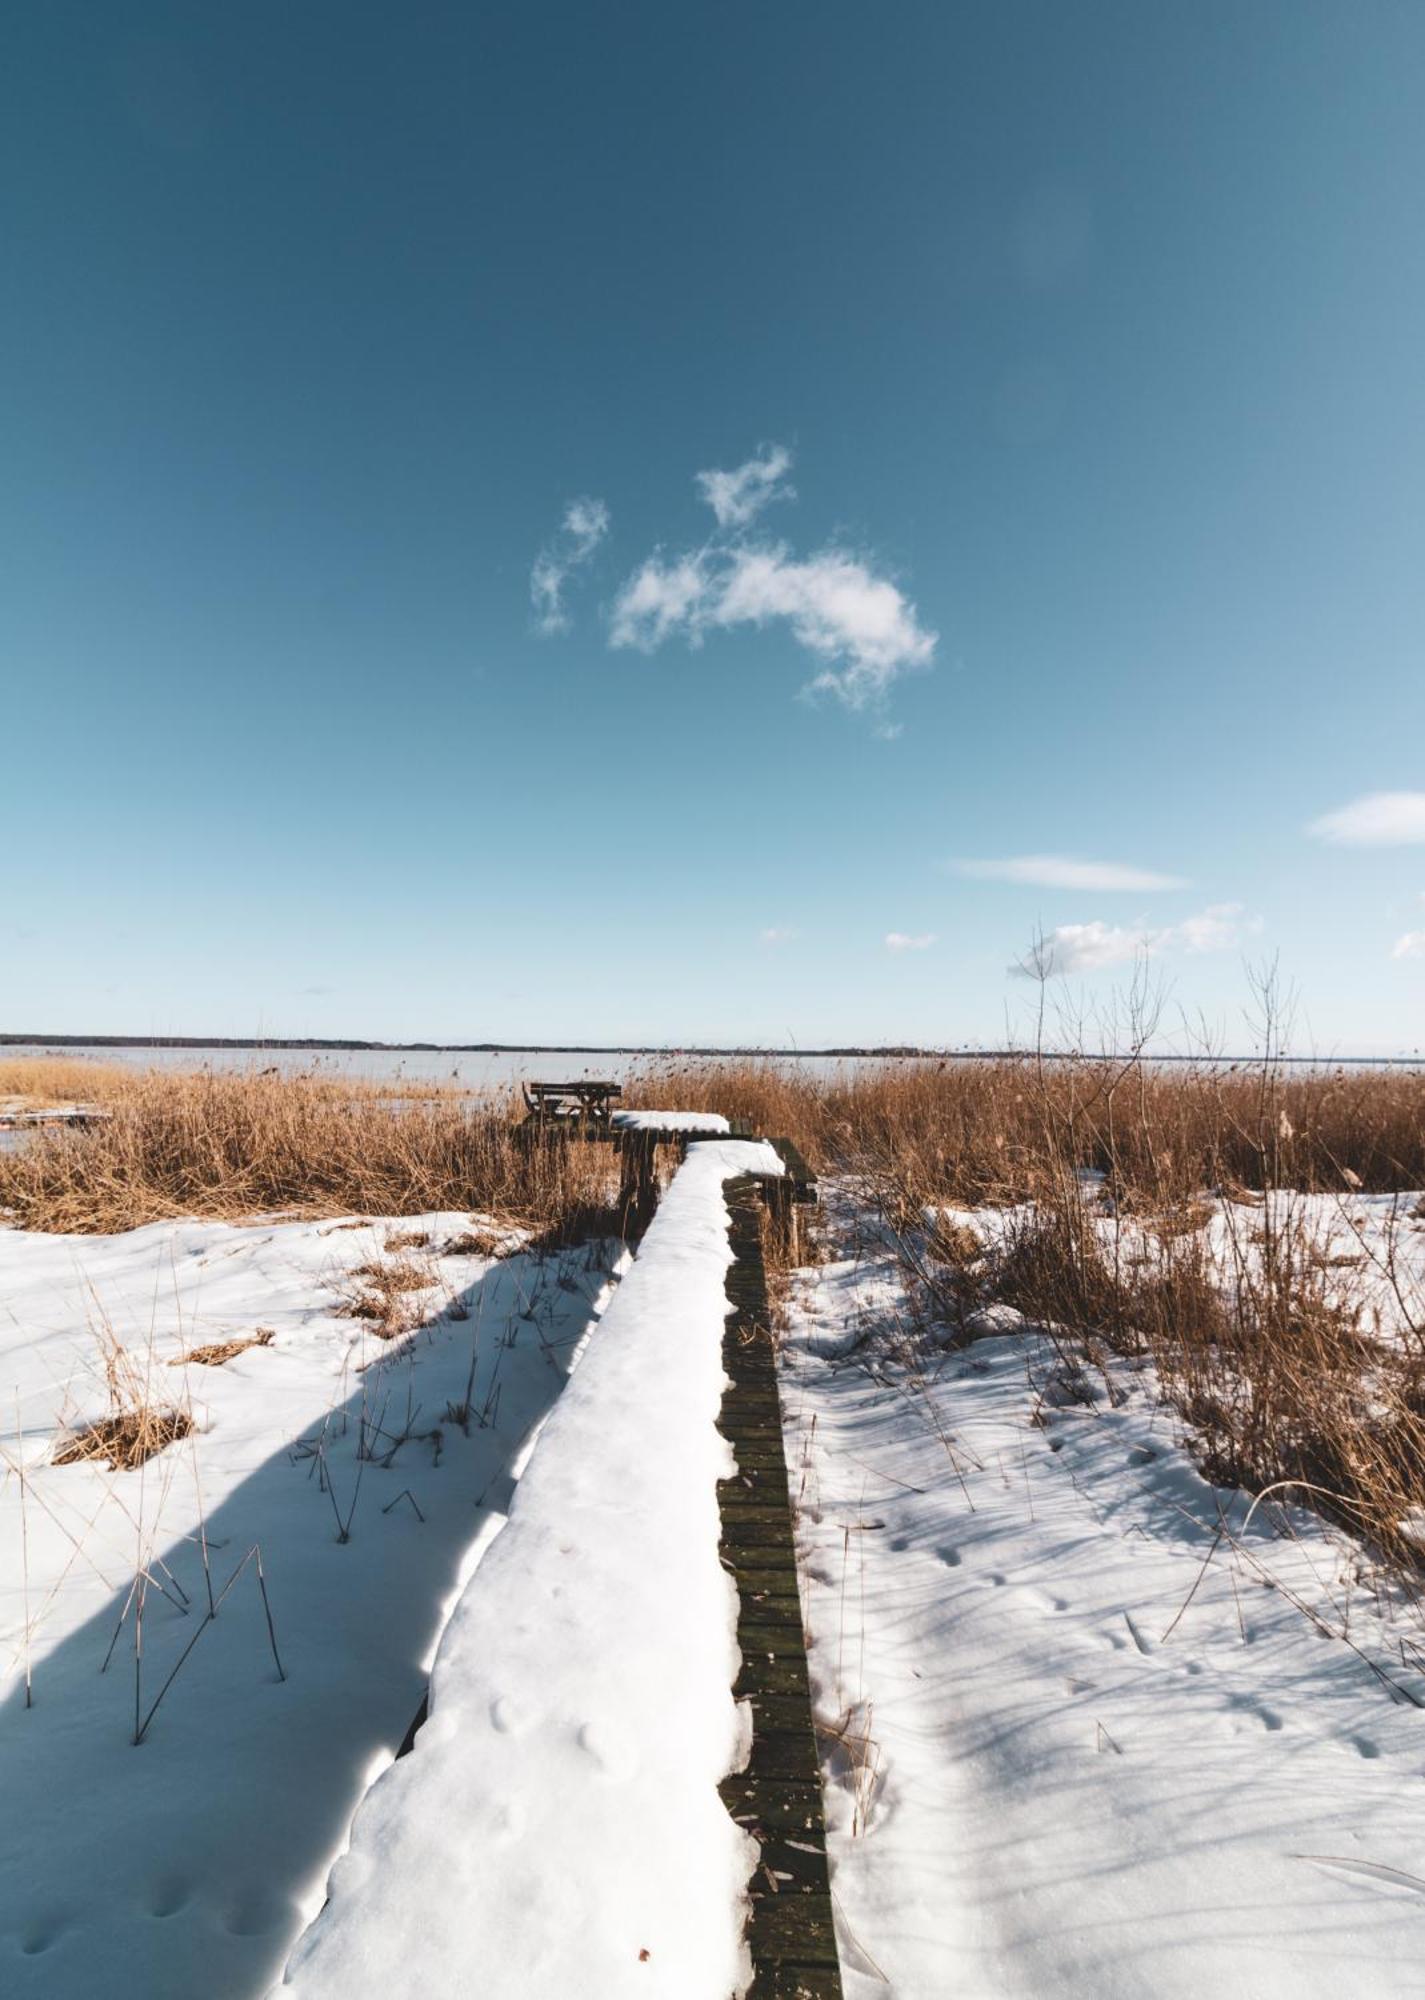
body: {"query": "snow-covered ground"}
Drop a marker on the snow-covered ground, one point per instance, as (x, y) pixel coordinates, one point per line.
(1088, 1730)
(556, 1830)
(187, 1865)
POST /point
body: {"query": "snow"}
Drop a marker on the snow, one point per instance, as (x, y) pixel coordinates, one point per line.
(556, 1829)
(1074, 1743)
(190, 1864)
(1090, 1726)
(709, 1122)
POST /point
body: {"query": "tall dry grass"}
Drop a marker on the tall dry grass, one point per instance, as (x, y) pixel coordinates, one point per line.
(230, 1146)
(1267, 1348)
(999, 1129)
(40, 1082)
(1265, 1345)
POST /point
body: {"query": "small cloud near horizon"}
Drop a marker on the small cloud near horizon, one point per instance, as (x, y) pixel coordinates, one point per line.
(1071, 949)
(909, 941)
(1065, 871)
(1380, 819)
(585, 525)
(1410, 945)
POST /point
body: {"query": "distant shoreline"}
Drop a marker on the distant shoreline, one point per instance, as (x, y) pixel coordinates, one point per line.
(455, 1048)
(885, 1051)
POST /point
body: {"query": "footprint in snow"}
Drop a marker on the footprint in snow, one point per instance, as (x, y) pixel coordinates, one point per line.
(609, 1749)
(169, 1898)
(1247, 1704)
(41, 1936)
(1043, 1600)
(509, 1715)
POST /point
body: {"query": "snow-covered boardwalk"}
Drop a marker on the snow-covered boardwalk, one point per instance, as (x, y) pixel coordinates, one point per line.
(557, 1828)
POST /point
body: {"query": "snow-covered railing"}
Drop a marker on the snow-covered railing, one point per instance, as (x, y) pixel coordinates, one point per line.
(557, 1827)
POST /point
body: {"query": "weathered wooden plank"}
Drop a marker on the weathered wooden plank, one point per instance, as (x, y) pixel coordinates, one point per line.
(790, 1933)
(780, 1980)
(800, 1928)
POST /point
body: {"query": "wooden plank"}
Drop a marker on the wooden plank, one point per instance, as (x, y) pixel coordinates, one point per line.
(791, 1933)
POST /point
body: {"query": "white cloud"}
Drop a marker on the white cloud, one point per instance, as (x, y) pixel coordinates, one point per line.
(837, 608)
(778, 934)
(859, 627)
(1074, 948)
(585, 525)
(1220, 927)
(738, 497)
(658, 599)
(1380, 819)
(905, 941)
(1062, 871)
(1411, 945)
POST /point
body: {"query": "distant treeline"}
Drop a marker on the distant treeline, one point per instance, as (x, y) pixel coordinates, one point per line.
(450, 1048)
(862, 1052)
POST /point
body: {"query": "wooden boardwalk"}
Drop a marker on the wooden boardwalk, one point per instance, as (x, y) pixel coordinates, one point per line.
(790, 1931)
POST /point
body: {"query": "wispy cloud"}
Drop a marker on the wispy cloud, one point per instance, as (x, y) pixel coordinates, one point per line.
(1380, 819)
(909, 941)
(739, 496)
(1063, 871)
(778, 934)
(1077, 948)
(857, 624)
(836, 607)
(1411, 945)
(585, 525)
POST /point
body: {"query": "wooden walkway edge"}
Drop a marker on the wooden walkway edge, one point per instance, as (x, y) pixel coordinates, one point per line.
(790, 1932)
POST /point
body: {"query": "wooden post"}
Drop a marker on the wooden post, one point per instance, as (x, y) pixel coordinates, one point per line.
(638, 1181)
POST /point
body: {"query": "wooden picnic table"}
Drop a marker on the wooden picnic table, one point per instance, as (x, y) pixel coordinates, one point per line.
(589, 1101)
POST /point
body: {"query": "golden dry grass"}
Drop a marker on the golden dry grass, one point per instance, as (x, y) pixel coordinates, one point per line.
(137, 1426)
(37, 1083)
(996, 1129)
(1269, 1356)
(124, 1441)
(219, 1351)
(236, 1145)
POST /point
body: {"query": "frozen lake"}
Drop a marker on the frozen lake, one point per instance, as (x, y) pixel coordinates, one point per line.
(479, 1070)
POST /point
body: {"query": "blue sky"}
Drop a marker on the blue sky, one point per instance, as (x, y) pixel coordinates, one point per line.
(1086, 339)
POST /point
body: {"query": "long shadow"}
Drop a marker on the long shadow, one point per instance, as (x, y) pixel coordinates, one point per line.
(187, 1865)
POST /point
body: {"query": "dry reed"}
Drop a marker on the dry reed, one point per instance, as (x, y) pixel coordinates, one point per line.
(219, 1351)
(232, 1146)
(135, 1428)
